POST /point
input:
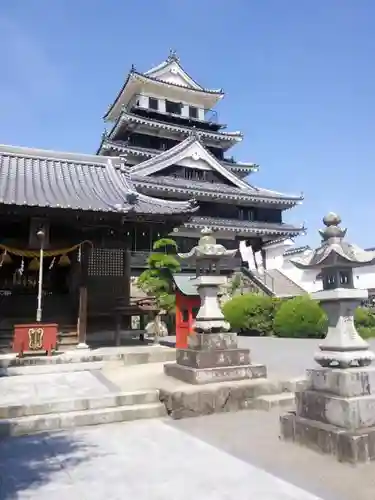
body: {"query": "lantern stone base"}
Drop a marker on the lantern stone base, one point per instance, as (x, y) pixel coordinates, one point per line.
(213, 357)
(335, 414)
(211, 375)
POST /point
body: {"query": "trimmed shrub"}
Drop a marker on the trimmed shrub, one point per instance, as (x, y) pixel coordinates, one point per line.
(250, 313)
(300, 317)
(364, 319)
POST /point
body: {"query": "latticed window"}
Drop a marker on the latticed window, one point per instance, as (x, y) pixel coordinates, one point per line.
(106, 262)
(194, 174)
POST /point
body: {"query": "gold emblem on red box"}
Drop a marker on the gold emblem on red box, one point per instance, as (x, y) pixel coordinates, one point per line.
(35, 338)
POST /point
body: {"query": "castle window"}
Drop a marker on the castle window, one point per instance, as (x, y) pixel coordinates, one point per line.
(153, 103)
(193, 112)
(192, 174)
(246, 214)
(173, 107)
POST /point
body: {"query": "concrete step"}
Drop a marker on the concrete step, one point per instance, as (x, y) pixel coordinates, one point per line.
(79, 404)
(68, 339)
(269, 401)
(60, 421)
(125, 355)
(295, 384)
(55, 368)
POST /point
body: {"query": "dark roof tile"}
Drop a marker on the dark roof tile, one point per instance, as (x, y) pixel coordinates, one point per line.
(242, 226)
(33, 177)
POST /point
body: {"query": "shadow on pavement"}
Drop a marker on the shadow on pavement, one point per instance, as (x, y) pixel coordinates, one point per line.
(29, 462)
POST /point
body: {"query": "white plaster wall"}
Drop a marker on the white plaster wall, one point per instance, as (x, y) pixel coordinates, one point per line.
(275, 259)
(364, 277)
(143, 95)
(171, 77)
(199, 164)
(304, 278)
(185, 110)
(201, 113)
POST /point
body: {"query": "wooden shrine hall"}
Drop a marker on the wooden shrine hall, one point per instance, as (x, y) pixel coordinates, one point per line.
(88, 209)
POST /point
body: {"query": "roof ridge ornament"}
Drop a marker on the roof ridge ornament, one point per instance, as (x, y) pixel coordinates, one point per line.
(173, 57)
(194, 133)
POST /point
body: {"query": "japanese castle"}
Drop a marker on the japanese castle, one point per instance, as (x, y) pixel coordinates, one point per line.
(162, 168)
(163, 123)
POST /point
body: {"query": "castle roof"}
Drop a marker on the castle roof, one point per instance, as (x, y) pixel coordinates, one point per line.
(192, 148)
(169, 73)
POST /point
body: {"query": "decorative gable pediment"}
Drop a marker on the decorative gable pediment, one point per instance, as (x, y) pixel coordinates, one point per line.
(171, 71)
(192, 154)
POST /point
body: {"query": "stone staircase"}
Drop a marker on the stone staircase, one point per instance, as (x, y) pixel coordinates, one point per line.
(274, 283)
(42, 393)
(284, 286)
(63, 414)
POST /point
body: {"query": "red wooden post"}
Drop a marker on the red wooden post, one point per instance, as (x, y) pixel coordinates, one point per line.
(184, 318)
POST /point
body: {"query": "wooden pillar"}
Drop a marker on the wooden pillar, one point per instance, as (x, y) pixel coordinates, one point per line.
(82, 311)
(127, 283)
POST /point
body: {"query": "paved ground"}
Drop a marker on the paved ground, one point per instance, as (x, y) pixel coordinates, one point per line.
(253, 436)
(139, 460)
(228, 456)
(52, 386)
(283, 357)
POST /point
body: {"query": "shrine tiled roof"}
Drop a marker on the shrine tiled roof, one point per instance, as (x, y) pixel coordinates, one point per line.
(243, 226)
(41, 178)
(185, 284)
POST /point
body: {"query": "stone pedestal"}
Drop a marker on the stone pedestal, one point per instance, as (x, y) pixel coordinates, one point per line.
(335, 414)
(213, 357)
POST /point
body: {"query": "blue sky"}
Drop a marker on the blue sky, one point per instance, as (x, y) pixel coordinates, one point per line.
(299, 77)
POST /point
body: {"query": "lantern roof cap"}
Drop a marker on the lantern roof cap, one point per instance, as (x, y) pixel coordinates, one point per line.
(334, 250)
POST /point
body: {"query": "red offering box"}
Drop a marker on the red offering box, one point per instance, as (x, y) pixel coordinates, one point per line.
(32, 337)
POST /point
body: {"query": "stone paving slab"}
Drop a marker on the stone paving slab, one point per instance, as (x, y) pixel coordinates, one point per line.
(31, 389)
(139, 460)
(253, 436)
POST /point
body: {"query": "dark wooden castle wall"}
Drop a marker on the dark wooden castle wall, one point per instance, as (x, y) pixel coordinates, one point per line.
(194, 175)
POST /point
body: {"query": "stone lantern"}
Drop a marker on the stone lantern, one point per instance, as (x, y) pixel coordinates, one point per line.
(342, 347)
(212, 354)
(336, 412)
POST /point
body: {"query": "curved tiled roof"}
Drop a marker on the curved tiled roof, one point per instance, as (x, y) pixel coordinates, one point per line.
(243, 226)
(32, 177)
(296, 250)
(124, 147)
(135, 75)
(146, 77)
(133, 118)
(222, 191)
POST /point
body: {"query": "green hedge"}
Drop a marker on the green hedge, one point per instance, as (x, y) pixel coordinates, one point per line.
(300, 317)
(364, 319)
(251, 313)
